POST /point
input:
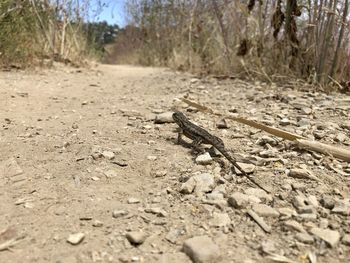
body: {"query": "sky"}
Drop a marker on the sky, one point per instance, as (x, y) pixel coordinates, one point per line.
(112, 11)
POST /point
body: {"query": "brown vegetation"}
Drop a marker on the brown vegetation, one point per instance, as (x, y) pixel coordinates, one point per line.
(38, 31)
(268, 39)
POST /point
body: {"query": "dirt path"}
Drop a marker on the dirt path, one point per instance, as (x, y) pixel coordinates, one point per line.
(80, 153)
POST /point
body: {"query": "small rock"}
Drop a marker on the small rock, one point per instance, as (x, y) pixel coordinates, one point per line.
(204, 183)
(294, 225)
(304, 238)
(341, 137)
(97, 223)
(75, 239)
(239, 200)
(136, 237)
(346, 239)
(246, 167)
(284, 122)
(108, 154)
(133, 200)
(303, 122)
(202, 249)
(305, 111)
(301, 174)
(166, 117)
(174, 234)
(222, 124)
(259, 193)
(342, 207)
(119, 213)
(220, 219)
(188, 186)
(265, 210)
(157, 211)
(286, 212)
(204, 159)
(330, 236)
(110, 173)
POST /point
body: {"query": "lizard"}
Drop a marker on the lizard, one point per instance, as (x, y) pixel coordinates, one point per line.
(198, 135)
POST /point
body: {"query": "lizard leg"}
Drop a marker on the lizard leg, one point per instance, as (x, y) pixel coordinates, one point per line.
(195, 145)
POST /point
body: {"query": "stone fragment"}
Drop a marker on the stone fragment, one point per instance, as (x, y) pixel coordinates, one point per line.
(284, 122)
(304, 238)
(133, 200)
(136, 237)
(119, 213)
(204, 183)
(220, 219)
(246, 167)
(286, 212)
(342, 207)
(239, 200)
(174, 234)
(204, 159)
(259, 193)
(188, 186)
(265, 210)
(202, 249)
(75, 239)
(166, 117)
(346, 239)
(157, 211)
(97, 223)
(108, 155)
(294, 225)
(331, 237)
(301, 174)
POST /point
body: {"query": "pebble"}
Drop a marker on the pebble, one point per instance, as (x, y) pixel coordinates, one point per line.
(108, 154)
(332, 237)
(202, 249)
(265, 210)
(346, 239)
(222, 124)
(342, 207)
(97, 223)
(246, 167)
(133, 200)
(188, 186)
(239, 200)
(286, 212)
(301, 174)
(284, 122)
(75, 239)
(119, 213)
(174, 234)
(258, 193)
(204, 159)
(294, 225)
(220, 219)
(136, 237)
(157, 211)
(304, 238)
(166, 117)
(204, 183)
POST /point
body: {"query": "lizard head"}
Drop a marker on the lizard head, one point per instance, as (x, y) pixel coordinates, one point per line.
(179, 117)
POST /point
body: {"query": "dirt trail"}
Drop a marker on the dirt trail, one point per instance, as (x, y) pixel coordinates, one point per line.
(80, 153)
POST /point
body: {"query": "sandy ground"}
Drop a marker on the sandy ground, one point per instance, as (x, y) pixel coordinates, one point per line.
(77, 145)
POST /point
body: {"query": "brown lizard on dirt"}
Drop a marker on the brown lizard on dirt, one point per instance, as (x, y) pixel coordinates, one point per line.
(200, 135)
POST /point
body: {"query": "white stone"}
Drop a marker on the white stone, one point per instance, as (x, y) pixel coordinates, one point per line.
(202, 249)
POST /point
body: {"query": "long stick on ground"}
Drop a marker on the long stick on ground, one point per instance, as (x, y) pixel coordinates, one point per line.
(337, 152)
